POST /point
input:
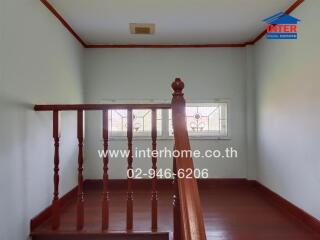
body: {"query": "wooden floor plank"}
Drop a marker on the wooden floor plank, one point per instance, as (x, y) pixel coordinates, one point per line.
(232, 212)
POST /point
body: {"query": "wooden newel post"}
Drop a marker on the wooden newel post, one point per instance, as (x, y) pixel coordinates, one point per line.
(105, 191)
(80, 199)
(55, 202)
(188, 218)
(178, 102)
(176, 206)
(178, 105)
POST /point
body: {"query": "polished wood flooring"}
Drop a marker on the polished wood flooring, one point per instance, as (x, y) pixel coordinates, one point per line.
(231, 212)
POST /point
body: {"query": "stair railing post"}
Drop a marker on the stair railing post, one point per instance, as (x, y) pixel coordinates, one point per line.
(80, 197)
(55, 202)
(129, 173)
(105, 192)
(154, 194)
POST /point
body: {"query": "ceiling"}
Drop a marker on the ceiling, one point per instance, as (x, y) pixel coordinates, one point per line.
(177, 21)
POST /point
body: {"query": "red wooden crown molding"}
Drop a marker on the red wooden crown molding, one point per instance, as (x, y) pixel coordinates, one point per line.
(288, 11)
(220, 45)
(64, 22)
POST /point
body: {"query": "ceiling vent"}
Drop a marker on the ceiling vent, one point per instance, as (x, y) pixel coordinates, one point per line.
(142, 28)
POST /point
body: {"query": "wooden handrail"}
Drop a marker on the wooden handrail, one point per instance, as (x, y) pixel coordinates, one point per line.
(192, 224)
(77, 107)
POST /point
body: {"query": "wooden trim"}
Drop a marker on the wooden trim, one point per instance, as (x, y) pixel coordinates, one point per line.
(77, 107)
(208, 45)
(46, 213)
(294, 6)
(287, 206)
(288, 11)
(221, 182)
(218, 45)
(119, 235)
(63, 21)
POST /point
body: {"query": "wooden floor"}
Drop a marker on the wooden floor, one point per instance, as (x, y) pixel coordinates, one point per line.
(231, 212)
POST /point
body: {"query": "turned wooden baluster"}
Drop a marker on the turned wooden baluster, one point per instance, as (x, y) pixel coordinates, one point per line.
(154, 194)
(130, 173)
(55, 202)
(105, 192)
(176, 205)
(80, 199)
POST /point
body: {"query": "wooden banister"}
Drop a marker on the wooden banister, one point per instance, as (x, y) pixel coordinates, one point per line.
(192, 224)
(80, 109)
(188, 219)
(87, 107)
(176, 205)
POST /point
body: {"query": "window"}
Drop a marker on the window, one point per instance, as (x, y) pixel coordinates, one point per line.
(203, 120)
(141, 122)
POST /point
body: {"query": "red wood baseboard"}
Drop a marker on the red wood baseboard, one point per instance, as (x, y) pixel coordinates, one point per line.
(101, 236)
(46, 213)
(287, 206)
(221, 182)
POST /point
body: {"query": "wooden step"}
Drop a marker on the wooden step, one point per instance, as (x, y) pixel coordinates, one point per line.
(101, 236)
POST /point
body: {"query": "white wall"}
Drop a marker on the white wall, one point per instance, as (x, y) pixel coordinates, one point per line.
(251, 115)
(147, 74)
(288, 113)
(40, 63)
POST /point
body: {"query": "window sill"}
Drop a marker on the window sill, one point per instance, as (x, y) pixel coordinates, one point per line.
(140, 138)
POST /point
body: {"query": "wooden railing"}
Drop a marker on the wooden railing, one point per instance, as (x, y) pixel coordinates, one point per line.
(188, 219)
(187, 207)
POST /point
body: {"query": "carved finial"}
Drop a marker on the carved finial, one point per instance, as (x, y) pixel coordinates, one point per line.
(177, 86)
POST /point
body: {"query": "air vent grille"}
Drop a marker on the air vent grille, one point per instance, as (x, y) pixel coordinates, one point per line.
(142, 28)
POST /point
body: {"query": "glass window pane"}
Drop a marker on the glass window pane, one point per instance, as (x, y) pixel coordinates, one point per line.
(204, 119)
(141, 122)
(117, 122)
